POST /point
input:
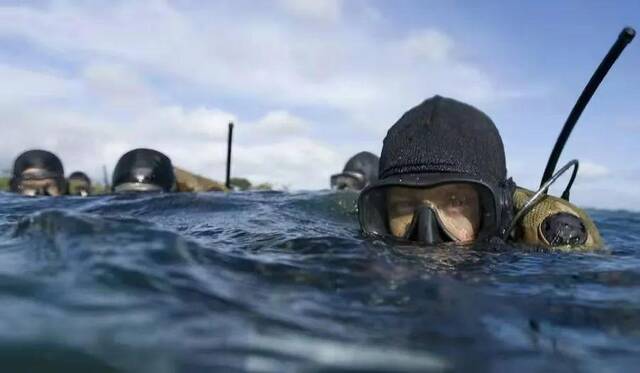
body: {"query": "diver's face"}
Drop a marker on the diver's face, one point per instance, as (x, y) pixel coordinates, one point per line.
(457, 207)
(39, 187)
(78, 188)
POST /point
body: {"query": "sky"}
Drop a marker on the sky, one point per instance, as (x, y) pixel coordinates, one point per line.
(308, 83)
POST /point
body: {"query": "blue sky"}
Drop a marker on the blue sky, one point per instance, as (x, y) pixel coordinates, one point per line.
(310, 83)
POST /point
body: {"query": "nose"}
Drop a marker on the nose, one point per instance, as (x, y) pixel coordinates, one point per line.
(424, 227)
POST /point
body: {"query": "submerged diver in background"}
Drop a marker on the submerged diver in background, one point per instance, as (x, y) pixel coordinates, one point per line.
(38, 172)
(360, 171)
(443, 178)
(79, 184)
(143, 170)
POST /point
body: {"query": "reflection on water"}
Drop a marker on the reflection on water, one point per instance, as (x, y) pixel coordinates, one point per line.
(274, 282)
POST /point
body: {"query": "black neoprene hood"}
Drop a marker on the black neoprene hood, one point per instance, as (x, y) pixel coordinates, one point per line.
(145, 166)
(360, 171)
(365, 163)
(45, 165)
(440, 141)
(38, 159)
(81, 176)
(442, 135)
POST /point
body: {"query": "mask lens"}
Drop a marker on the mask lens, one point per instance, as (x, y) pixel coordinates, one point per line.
(39, 187)
(457, 209)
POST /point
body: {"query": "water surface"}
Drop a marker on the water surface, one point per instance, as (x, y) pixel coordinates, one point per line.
(278, 282)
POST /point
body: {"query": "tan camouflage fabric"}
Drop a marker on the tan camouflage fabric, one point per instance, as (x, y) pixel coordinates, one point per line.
(189, 182)
(529, 229)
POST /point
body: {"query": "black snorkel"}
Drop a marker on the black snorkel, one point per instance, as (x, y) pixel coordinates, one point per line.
(227, 182)
(105, 178)
(550, 176)
(625, 37)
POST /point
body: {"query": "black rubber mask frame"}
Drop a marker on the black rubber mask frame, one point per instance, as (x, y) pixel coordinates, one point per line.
(372, 208)
(137, 188)
(23, 187)
(17, 183)
(426, 228)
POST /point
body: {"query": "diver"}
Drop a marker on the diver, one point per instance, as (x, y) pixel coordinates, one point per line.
(143, 170)
(78, 184)
(360, 171)
(443, 178)
(38, 173)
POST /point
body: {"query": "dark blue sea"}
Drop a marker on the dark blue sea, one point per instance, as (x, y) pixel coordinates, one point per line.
(283, 282)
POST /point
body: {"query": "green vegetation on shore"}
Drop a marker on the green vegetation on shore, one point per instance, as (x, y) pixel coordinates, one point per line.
(240, 183)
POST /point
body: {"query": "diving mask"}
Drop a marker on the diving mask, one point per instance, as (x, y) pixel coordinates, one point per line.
(38, 182)
(348, 180)
(449, 212)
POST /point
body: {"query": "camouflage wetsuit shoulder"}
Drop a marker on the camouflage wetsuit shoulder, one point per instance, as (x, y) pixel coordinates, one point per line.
(556, 223)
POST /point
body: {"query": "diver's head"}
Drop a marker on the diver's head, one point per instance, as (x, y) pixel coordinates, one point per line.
(443, 178)
(38, 172)
(78, 184)
(144, 170)
(360, 171)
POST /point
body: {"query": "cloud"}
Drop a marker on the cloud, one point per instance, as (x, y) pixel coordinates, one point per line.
(274, 60)
(279, 123)
(273, 148)
(117, 84)
(593, 171)
(301, 163)
(158, 74)
(325, 10)
(194, 125)
(372, 14)
(431, 45)
(22, 85)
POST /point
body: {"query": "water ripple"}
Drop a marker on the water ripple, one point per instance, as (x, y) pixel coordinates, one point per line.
(279, 282)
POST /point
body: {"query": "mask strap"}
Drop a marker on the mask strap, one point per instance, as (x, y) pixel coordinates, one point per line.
(137, 187)
(542, 192)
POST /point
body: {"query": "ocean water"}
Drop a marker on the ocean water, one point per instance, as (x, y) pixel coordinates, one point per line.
(281, 282)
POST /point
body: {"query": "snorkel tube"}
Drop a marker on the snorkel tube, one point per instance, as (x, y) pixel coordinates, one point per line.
(227, 182)
(105, 178)
(550, 176)
(625, 37)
